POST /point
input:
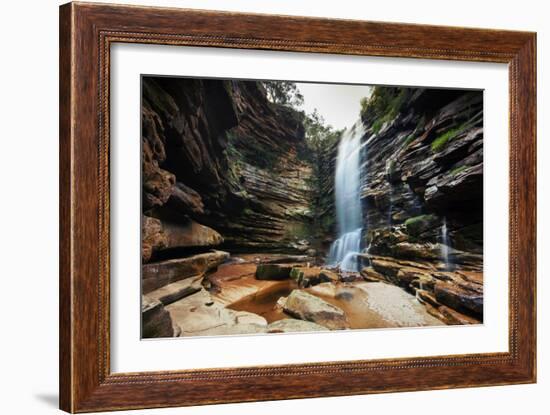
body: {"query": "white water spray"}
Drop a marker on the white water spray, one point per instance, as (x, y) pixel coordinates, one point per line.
(344, 250)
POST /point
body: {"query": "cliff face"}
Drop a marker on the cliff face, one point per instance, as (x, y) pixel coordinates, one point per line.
(221, 166)
(423, 167)
(422, 197)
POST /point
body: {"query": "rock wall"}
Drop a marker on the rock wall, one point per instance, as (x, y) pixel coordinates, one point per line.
(221, 159)
(422, 197)
(423, 164)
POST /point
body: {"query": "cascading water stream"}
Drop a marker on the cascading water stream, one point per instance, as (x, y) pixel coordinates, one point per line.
(445, 243)
(344, 250)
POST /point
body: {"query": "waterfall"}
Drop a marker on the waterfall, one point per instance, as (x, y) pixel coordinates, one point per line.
(344, 250)
(390, 208)
(445, 242)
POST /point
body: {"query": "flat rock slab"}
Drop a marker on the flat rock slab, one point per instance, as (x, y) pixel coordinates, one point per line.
(177, 290)
(376, 305)
(289, 325)
(396, 305)
(159, 274)
(305, 306)
(199, 315)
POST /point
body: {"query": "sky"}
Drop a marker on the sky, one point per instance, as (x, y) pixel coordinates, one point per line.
(337, 103)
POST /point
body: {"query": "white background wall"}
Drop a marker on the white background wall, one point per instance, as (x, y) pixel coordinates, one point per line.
(29, 207)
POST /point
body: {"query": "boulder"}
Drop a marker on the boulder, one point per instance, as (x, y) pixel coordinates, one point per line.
(453, 317)
(417, 225)
(305, 277)
(386, 267)
(185, 200)
(155, 320)
(190, 234)
(152, 237)
(290, 325)
(426, 297)
(273, 271)
(326, 275)
(423, 282)
(471, 276)
(424, 251)
(280, 304)
(459, 298)
(370, 275)
(159, 274)
(406, 275)
(305, 306)
(201, 315)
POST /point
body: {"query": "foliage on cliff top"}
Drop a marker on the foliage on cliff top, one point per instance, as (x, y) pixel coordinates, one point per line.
(383, 105)
(283, 93)
(318, 132)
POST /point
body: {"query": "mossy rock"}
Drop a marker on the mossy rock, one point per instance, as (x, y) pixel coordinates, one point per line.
(420, 224)
(273, 271)
(305, 277)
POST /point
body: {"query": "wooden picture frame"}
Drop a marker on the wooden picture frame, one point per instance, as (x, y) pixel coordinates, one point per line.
(86, 33)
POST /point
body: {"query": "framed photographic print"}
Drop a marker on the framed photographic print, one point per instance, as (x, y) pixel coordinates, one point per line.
(261, 207)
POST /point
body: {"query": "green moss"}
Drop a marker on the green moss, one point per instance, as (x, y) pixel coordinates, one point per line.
(457, 170)
(419, 224)
(377, 125)
(440, 142)
(384, 105)
(416, 219)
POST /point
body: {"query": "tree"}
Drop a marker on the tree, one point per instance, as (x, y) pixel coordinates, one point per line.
(320, 140)
(318, 132)
(283, 93)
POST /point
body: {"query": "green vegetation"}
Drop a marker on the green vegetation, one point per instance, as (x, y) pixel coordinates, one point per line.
(457, 170)
(440, 142)
(383, 105)
(418, 224)
(283, 93)
(416, 220)
(321, 141)
(377, 125)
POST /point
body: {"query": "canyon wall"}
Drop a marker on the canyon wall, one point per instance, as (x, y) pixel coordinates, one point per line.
(222, 166)
(423, 165)
(422, 194)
